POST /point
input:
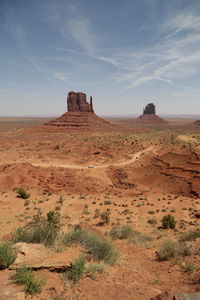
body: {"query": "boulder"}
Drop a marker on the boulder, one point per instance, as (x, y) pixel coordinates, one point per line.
(187, 296)
(37, 256)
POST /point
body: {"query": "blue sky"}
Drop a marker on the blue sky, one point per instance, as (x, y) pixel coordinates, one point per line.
(125, 53)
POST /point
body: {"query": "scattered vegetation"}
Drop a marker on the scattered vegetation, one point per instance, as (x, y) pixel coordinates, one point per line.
(170, 249)
(121, 232)
(77, 270)
(96, 247)
(24, 276)
(190, 235)
(41, 229)
(7, 255)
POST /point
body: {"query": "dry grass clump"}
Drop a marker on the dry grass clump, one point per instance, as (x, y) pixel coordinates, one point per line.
(98, 248)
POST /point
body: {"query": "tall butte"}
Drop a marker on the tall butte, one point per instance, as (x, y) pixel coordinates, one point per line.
(79, 113)
(149, 116)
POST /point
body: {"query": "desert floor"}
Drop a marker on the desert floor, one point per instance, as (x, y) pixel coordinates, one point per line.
(137, 173)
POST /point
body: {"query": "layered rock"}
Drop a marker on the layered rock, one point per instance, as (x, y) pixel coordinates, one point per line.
(80, 113)
(78, 102)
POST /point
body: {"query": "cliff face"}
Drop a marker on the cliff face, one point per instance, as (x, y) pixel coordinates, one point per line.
(78, 102)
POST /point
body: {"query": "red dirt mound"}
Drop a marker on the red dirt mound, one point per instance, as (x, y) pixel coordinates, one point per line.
(79, 119)
(150, 119)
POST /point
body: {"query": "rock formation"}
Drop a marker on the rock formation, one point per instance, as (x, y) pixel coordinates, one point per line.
(78, 102)
(150, 109)
(80, 113)
(149, 116)
(197, 122)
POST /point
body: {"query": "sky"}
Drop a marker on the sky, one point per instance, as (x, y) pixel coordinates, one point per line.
(124, 53)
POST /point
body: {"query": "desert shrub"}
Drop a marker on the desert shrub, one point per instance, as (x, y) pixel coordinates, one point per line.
(168, 221)
(27, 202)
(77, 270)
(105, 217)
(76, 236)
(24, 276)
(96, 247)
(121, 232)
(185, 249)
(107, 202)
(40, 229)
(100, 249)
(190, 235)
(189, 267)
(7, 255)
(152, 221)
(167, 250)
(21, 193)
(140, 239)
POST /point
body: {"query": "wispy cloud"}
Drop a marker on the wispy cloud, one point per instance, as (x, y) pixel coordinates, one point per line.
(18, 32)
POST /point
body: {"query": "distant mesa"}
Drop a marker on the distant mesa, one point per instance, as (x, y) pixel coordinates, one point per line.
(197, 122)
(80, 113)
(149, 116)
(150, 109)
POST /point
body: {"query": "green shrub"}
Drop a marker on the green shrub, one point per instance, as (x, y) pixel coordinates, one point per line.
(98, 248)
(167, 250)
(76, 236)
(105, 217)
(7, 255)
(168, 221)
(189, 267)
(190, 235)
(77, 270)
(152, 221)
(121, 232)
(24, 276)
(21, 193)
(39, 230)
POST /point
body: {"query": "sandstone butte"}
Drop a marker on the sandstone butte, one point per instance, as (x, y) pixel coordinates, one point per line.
(80, 114)
(149, 116)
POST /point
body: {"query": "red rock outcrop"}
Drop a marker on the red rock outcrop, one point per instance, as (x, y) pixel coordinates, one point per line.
(80, 114)
(78, 102)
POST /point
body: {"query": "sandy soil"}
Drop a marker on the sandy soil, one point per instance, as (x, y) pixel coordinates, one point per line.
(139, 173)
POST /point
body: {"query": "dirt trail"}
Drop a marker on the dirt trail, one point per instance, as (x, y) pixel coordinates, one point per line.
(8, 290)
(135, 157)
